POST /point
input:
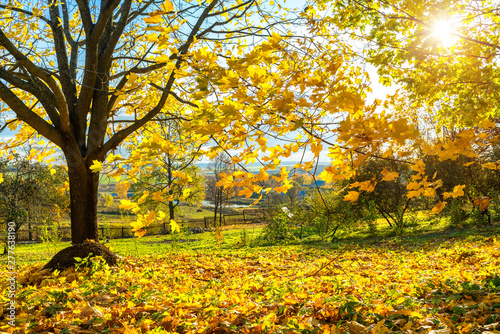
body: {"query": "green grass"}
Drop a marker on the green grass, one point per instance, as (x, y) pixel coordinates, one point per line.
(148, 245)
(425, 228)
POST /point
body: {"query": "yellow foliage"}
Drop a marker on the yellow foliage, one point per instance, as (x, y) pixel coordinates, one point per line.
(365, 185)
(352, 196)
(439, 207)
(122, 188)
(458, 191)
(127, 205)
(389, 176)
(174, 226)
(96, 166)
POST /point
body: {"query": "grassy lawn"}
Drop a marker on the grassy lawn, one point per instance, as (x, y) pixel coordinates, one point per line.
(430, 278)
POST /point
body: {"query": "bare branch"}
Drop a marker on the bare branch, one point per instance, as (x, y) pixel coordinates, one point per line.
(177, 97)
(27, 12)
(118, 30)
(67, 82)
(84, 8)
(7, 124)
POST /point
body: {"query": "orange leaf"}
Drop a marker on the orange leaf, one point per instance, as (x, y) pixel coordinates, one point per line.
(352, 196)
(389, 176)
(439, 207)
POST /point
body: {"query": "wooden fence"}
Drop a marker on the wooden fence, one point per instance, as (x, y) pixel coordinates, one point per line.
(247, 216)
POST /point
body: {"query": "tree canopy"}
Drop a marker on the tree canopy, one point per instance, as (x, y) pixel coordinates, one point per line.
(86, 75)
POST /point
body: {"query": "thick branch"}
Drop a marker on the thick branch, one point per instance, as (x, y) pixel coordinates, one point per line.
(40, 73)
(37, 89)
(118, 30)
(84, 8)
(67, 82)
(27, 115)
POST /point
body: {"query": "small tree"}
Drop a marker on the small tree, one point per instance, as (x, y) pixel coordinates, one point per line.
(216, 193)
(390, 195)
(31, 193)
(170, 174)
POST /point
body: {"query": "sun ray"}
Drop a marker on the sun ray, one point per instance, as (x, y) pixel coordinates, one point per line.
(444, 32)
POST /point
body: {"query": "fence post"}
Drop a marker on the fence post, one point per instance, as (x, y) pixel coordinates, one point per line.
(164, 227)
(102, 232)
(244, 218)
(123, 232)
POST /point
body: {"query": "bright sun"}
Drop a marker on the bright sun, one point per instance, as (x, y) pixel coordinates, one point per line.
(444, 33)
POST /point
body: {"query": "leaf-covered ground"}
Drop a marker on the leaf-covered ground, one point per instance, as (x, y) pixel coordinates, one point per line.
(444, 286)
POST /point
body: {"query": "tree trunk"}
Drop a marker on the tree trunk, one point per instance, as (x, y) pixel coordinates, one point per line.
(83, 186)
(170, 180)
(171, 211)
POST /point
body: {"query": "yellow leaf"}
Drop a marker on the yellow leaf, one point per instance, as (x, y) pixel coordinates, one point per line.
(389, 176)
(283, 176)
(158, 196)
(52, 171)
(429, 192)
(246, 191)
(413, 193)
(1, 178)
(365, 186)
(127, 205)
(186, 192)
(96, 166)
(380, 328)
(112, 157)
(316, 148)
(161, 215)
(419, 166)
(262, 142)
(458, 191)
(167, 6)
(140, 233)
(154, 19)
(439, 207)
(490, 165)
(150, 216)
(174, 226)
(352, 196)
(413, 186)
(143, 198)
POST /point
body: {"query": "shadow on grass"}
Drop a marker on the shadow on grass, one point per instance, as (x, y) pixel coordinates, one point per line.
(416, 236)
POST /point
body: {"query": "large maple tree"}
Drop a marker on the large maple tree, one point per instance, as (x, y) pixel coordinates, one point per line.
(88, 74)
